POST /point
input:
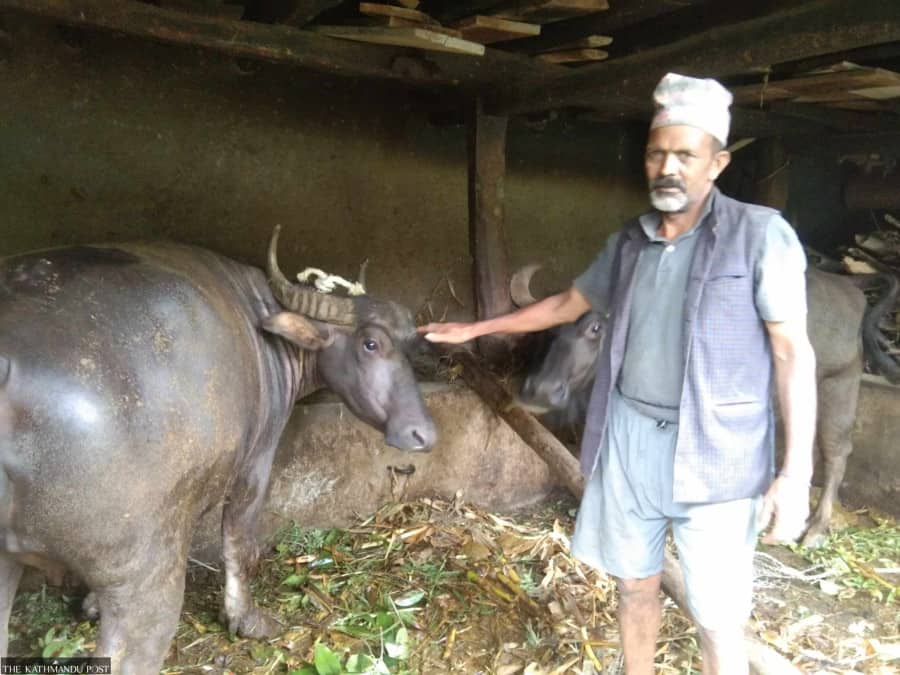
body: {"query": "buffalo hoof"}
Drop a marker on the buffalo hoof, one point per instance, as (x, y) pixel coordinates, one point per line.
(814, 537)
(255, 624)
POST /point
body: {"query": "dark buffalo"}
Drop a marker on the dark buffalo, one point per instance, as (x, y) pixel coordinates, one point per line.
(839, 326)
(141, 386)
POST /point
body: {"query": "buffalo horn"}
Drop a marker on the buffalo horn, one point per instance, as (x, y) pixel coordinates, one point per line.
(519, 285)
(306, 301)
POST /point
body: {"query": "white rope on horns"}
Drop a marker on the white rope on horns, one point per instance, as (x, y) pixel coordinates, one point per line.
(326, 283)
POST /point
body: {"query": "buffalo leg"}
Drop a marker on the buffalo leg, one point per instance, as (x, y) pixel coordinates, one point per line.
(138, 618)
(838, 395)
(10, 573)
(241, 551)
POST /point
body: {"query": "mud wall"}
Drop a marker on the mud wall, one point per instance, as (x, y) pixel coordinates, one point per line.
(331, 468)
(108, 138)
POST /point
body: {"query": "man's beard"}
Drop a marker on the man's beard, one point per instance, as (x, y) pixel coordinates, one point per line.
(668, 202)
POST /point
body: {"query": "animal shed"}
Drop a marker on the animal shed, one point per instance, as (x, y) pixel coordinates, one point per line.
(400, 132)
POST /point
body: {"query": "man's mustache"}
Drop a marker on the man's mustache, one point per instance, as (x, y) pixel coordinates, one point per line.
(660, 183)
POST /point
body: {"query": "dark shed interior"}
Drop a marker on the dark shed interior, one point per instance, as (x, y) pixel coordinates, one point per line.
(447, 142)
(209, 122)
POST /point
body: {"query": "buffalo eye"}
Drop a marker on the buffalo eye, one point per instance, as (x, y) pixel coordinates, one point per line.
(370, 345)
(595, 327)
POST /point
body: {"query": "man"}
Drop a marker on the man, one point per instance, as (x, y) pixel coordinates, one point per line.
(706, 298)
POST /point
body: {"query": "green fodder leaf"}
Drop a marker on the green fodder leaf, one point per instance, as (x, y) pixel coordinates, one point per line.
(327, 662)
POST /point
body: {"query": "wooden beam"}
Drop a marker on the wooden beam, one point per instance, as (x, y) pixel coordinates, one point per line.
(247, 39)
(815, 27)
(487, 237)
(284, 44)
(618, 16)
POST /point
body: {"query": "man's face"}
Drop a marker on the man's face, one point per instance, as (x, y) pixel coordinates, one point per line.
(682, 163)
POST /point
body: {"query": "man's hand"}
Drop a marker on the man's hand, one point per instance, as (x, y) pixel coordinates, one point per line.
(451, 333)
(551, 311)
(787, 500)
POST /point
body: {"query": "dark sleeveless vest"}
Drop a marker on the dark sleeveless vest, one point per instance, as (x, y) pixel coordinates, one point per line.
(725, 440)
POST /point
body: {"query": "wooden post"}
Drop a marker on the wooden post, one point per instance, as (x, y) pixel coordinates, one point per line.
(487, 240)
(763, 659)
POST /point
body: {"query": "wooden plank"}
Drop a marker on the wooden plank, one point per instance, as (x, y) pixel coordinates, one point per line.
(844, 83)
(573, 56)
(801, 31)
(394, 22)
(588, 42)
(422, 38)
(489, 29)
(374, 9)
(620, 15)
(545, 11)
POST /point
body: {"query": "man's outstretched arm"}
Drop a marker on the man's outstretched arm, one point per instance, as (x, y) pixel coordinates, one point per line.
(551, 311)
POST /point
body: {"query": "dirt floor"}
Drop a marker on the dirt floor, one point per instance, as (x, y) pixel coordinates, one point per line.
(440, 587)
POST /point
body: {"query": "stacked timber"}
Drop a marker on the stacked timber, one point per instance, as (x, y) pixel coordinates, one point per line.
(403, 23)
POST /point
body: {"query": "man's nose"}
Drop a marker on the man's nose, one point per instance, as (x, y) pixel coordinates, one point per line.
(670, 164)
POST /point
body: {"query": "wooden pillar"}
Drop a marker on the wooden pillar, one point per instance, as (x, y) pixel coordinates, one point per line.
(487, 238)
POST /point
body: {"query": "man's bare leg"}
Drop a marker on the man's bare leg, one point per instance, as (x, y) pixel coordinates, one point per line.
(724, 651)
(640, 613)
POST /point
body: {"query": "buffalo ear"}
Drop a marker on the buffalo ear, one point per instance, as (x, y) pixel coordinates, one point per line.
(296, 328)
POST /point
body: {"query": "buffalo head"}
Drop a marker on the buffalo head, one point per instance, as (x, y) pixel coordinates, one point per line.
(361, 346)
(562, 380)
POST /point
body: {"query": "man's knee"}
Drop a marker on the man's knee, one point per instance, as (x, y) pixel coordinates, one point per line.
(723, 635)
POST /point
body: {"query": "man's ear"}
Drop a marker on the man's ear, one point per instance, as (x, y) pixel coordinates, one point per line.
(296, 328)
(720, 161)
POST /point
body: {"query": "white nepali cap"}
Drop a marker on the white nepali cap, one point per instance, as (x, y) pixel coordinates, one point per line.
(695, 102)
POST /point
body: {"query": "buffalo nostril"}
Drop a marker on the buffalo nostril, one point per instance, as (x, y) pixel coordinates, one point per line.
(420, 440)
